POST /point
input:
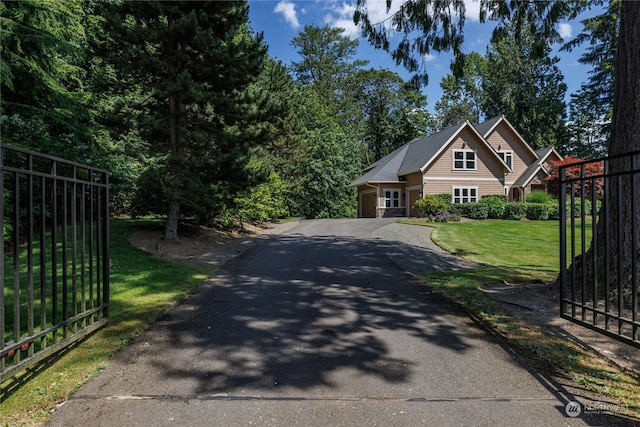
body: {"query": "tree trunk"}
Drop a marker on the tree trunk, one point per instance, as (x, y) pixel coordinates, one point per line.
(625, 133)
(176, 116)
(614, 238)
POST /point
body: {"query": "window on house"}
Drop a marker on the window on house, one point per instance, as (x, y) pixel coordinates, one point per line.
(465, 194)
(391, 198)
(464, 160)
(507, 156)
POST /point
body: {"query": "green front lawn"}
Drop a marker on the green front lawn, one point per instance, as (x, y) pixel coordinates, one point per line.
(524, 247)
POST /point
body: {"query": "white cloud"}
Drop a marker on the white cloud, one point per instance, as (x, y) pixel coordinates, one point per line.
(565, 30)
(288, 11)
(377, 9)
(428, 57)
(341, 15)
(472, 10)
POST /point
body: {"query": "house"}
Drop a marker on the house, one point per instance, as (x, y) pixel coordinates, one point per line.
(463, 160)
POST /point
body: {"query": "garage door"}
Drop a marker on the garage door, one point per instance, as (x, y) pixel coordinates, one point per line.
(368, 207)
(414, 196)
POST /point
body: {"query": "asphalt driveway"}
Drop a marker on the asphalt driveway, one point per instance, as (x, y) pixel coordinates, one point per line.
(316, 327)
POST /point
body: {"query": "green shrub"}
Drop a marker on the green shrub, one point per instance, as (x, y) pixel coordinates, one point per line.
(538, 196)
(430, 204)
(554, 210)
(472, 210)
(266, 201)
(501, 197)
(495, 206)
(445, 197)
(577, 212)
(537, 211)
(7, 230)
(515, 211)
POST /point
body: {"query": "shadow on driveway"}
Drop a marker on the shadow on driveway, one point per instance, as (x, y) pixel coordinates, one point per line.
(297, 309)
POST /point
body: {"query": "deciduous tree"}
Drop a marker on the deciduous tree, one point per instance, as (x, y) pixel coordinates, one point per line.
(462, 97)
(391, 112)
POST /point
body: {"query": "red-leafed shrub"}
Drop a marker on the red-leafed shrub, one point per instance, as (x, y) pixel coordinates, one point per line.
(591, 171)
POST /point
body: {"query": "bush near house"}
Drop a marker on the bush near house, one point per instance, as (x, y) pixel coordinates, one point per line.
(446, 198)
(495, 205)
(472, 210)
(436, 208)
(515, 211)
(444, 217)
(538, 196)
(537, 211)
(539, 206)
(430, 204)
(578, 206)
(554, 210)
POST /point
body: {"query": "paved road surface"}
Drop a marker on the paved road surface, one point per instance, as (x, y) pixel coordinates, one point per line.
(315, 327)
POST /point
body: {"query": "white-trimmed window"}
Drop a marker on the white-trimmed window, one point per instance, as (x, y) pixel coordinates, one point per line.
(391, 197)
(464, 160)
(507, 156)
(465, 194)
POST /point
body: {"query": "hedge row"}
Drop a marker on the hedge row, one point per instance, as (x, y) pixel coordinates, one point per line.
(496, 207)
(516, 210)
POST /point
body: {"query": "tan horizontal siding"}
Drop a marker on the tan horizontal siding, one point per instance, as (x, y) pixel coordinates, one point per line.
(484, 188)
(414, 179)
(487, 165)
(503, 137)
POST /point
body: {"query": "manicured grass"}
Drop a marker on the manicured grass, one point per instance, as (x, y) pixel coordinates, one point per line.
(518, 252)
(528, 246)
(142, 288)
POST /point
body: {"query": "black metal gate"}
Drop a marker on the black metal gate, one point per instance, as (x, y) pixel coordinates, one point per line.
(600, 245)
(54, 287)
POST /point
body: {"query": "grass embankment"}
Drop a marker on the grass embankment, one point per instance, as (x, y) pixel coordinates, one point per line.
(142, 288)
(519, 252)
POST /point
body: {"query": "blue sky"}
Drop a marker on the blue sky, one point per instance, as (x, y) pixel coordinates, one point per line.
(281, 20)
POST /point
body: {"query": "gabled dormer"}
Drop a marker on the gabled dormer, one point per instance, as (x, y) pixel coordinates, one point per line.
(508, 143)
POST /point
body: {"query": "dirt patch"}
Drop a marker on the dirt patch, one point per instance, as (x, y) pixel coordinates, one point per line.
(538, 304)
(202, 245)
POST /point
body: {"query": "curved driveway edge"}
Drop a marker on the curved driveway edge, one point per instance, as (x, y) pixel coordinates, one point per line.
(411, 248)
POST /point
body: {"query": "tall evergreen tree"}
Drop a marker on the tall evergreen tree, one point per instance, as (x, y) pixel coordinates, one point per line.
(329, 162)
(527, 87)
(591, 107)
(195, 61)
(588, 126)
(43, 100)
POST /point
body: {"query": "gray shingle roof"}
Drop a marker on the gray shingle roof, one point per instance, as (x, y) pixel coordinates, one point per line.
(420, 151)
(416, 154)
(484, 127)
(385, 169)
(542, 153)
